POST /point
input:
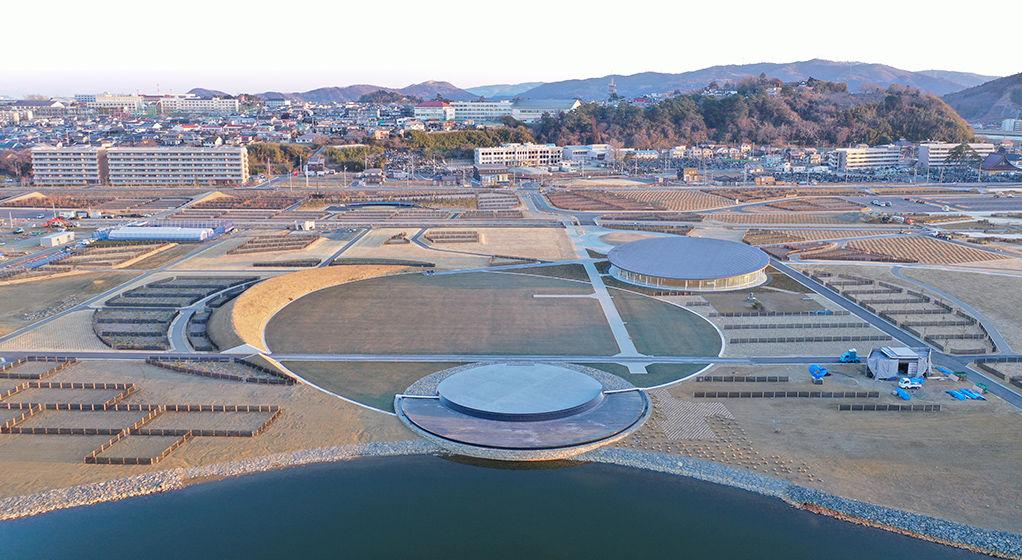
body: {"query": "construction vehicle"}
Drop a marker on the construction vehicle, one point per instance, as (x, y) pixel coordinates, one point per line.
(850, 357)
(59, 222)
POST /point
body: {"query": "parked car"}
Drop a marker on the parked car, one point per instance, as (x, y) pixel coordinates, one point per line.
(906, 383)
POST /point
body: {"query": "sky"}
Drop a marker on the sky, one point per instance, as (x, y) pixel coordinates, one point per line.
(172, 47)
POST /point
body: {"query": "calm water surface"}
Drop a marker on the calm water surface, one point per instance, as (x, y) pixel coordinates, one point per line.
(427, 507)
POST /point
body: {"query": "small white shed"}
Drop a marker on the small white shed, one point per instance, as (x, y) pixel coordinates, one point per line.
(55, 239)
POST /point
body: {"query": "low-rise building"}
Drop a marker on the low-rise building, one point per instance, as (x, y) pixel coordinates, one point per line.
(434, 111)
(491, 175)
(864, 157)
(520, 155)
(532, 110)
(481, 111)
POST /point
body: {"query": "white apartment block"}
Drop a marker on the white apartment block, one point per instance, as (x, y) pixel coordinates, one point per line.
(75, 165)
(177, 166)
(126, 103)
(434, 111)
(520, 155)
(590, 153)
(934, 154)
(481, 111)
(198, 105)
(1011, 125)
(863, 157)
(532, 110)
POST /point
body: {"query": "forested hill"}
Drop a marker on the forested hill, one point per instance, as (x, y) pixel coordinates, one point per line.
(819, 114)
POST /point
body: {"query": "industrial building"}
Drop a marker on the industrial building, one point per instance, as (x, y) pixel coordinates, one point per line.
(689, 264)
(160, 233)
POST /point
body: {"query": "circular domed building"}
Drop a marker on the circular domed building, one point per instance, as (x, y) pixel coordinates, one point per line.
(692, 264)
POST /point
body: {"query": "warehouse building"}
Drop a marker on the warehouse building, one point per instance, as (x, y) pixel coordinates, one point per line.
(160, 233)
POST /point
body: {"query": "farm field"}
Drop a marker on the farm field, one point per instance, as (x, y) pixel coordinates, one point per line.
(680, 200)
(781, 218)
(923, 249)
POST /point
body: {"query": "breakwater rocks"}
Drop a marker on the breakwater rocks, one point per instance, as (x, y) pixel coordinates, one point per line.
(996, 543)
(163, 481)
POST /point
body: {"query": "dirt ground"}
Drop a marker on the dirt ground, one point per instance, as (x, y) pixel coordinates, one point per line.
(311, 419)
(622, 237)
(216, 257)
(956, 464)
(44, 297)
(473, 313)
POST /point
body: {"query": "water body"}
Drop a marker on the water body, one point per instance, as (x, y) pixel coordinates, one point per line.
(427, 507)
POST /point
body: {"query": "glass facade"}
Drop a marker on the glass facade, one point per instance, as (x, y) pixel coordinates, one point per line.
(717, 284)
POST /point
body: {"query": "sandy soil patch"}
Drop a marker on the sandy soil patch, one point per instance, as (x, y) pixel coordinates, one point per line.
(242, 321)
(955, 464)
(70, 332)
(548, 244)
(452, 256)
(311, 419)
(43, 298)
(622, 237)
(717, 233)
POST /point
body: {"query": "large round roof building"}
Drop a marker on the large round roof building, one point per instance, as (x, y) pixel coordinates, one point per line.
(689, 264)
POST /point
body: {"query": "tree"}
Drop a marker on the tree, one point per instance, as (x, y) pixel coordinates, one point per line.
(963, 155)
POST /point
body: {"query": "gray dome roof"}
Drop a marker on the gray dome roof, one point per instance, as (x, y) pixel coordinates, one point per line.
(688, 258)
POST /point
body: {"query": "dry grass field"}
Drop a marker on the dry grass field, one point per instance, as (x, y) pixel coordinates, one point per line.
(997, 297)
(243, 319)
(660, 329)
(471, 313)
(310, 419)
(43, 298)
(923, 249)
(955, 464)
(370, 383)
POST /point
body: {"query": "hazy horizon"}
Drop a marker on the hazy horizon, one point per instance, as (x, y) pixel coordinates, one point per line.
(199, 44)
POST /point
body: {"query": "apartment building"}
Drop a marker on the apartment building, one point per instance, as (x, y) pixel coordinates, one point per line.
(119, 103)
(864, 157)
(934, 154)
(532, 110)
(75, 165)
(198, 105)
(520, 155)
(481, 111)
(177, 166)
(434, 111)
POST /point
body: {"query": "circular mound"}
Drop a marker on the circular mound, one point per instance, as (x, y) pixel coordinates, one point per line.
(521, 411)
(692, 263)
(520, 392)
